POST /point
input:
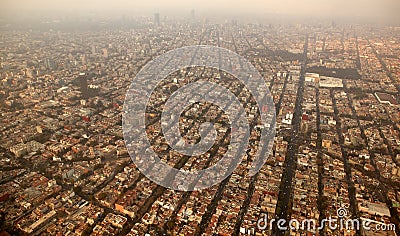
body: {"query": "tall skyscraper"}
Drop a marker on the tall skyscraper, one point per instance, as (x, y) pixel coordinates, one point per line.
(49, 64)
(157, 19)
(192, 15)
(83, 85)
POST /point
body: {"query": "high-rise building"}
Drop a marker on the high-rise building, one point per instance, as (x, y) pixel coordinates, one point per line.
(49, 64)
(84, 59)
(192, 15)
(105, 52)
(157, 19)
(83, 85)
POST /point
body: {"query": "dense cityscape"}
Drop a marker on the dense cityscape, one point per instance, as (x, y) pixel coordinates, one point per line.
(65, 169)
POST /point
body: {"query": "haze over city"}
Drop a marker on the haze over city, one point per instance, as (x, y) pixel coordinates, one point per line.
(377, 11)
(197, 118)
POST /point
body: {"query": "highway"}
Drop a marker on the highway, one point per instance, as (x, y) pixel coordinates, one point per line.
(285, 198)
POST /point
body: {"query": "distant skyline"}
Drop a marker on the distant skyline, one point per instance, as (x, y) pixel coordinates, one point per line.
(370, 10)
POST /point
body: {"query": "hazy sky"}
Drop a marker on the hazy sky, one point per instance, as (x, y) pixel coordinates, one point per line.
(370, 9)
